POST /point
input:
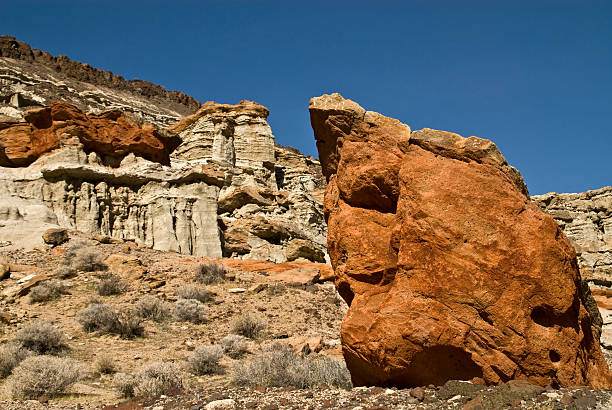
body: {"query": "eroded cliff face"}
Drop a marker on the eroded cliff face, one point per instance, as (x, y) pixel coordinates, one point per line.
(131, 160)
(449, 269)
(586, 219)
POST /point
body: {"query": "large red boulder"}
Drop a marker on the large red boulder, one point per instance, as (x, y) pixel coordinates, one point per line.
(110, 134)
(450, 271)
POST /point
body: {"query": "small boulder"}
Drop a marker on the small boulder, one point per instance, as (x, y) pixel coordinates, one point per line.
(301, 248)
(55, 236)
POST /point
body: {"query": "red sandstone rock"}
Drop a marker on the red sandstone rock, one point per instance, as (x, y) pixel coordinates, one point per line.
(449, 270)
(110, 134)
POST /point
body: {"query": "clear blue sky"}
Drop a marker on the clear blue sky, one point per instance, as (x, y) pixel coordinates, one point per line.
(533, 76)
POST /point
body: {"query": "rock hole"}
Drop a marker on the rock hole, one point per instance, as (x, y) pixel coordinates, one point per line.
(485, 316)
(554, 356)
(540, 316)
(344, 289)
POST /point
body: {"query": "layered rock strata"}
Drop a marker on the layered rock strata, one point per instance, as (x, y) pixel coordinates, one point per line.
(33, 78)
(450, 271)
(111, 135)
(586, 219)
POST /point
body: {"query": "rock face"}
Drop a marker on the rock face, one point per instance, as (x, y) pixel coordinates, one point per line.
(32, 78)
(234, 135)
(123, 174)
(450, 271)
(586, 219)
(111, 134)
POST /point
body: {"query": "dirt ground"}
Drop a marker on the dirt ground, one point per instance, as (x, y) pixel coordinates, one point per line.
(295, 313)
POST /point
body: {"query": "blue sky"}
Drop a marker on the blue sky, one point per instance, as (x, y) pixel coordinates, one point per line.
(533, 76)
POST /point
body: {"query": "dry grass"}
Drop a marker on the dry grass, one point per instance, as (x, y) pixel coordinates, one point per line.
(281, 366)
(38, 376)
(205, 360)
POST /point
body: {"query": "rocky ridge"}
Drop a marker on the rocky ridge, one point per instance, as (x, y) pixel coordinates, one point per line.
(32, 78)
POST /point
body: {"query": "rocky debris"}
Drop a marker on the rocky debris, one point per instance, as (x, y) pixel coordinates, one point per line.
(514, 394)
(297, 272)
(31, 78)
(55, 236)
(111, 135)
(586, 219)
(442, 224)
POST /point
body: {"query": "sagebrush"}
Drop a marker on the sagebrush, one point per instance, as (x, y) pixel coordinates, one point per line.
(103, 318)
(41, 338)
(210, 273)
(44, 375)
(111, 285)
(205, 360)
(151, 308)
(194, 292)
(190, 310)
(48, 290)
(248, 325)
(281, 366)
(10, 356)
(234, 346)
(153, 380)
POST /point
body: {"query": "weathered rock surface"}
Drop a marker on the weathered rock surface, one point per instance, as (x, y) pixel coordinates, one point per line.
(451, 272)
(94, 176)
(233, 135)
(111, 135)
(586, 219)
(55, 236)
(31, 78)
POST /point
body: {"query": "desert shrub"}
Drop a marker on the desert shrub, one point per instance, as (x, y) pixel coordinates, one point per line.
(194, 292)
(43, 375)
(189, 310)
(47, 290)
(65, 272)
(248, 325)
(209, 273)
(125, 384)
(83, 256)
(234, 345)
(111, 285)
(41, 338)
(129, 324)
(98, 317)
(106, 365)
(10, 356)
(103, 318)
(153, 309)
(205, 360)
(281, 366)
(153, 380)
